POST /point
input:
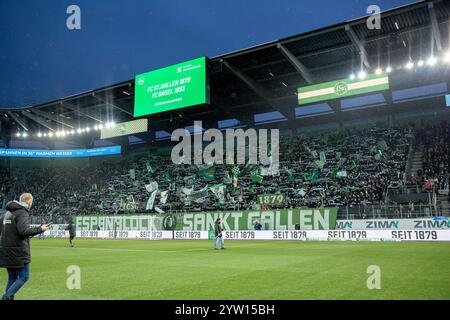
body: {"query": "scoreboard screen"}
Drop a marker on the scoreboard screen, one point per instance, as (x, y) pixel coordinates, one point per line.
(174, 87)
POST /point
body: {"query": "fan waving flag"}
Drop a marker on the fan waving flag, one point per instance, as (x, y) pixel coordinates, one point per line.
(290, 176)
(207, 171)
(256, 178)
(235, 171)
(148, 166)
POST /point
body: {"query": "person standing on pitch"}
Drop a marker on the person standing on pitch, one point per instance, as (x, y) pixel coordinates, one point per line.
(15, 233)
(218, 233)
(72, 232)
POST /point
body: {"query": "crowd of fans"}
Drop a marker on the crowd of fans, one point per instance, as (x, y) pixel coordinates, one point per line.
(349, 168)
(436, 152)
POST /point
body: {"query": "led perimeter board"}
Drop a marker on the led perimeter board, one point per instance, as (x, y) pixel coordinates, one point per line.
(69, 153)
(178, 86)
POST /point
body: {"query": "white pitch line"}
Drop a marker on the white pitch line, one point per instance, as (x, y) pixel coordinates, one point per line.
(109, 249)
(148, 250)
(232, 247)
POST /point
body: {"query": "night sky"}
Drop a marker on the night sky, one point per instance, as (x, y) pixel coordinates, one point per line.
(41, 60)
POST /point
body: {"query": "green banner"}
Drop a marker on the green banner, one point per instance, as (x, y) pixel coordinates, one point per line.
(342, 88)
(286, 219)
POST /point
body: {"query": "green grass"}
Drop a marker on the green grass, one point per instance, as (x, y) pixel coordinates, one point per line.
(140, 269)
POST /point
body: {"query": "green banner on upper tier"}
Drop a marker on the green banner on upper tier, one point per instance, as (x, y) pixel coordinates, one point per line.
(342, 88)
(286, 219)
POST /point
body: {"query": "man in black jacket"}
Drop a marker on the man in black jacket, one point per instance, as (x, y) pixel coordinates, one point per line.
(218, 233)
(72, 232)
(15, 232)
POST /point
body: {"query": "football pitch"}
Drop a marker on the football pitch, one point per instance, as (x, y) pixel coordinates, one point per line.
(257, 270)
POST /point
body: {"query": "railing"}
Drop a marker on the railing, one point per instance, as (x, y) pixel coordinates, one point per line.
(412, 149)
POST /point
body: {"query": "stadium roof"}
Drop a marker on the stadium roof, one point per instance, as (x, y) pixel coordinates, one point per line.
(258, 85)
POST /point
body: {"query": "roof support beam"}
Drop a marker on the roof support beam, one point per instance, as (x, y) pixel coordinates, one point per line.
(51, 117)
(77, 109)
(436, 34)
(268, 97)
(358, 44)
(19, 121)
(37, 119)
(300, 67)
(249, 82)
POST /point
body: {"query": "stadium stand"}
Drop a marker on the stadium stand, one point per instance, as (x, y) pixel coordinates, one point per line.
(388, 170)
(359, 166)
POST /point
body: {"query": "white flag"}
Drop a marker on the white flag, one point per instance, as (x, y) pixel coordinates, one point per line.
(164, 196)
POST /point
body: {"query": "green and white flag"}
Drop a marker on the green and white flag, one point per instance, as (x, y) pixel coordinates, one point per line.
(322, 157)
(132, 174)
(300, 192)
(342, 88)
(313, 177)
(379, 156)
(200, 195)
(290, 176)
(148, 166)
(151, 201)
(255, 177)
(341, 174)
(227, 179)
(319, 164)
(271, 170)
(207, 171)
(219, 191)
(164, 196)
(354, 166)
(382, 145)
(251, 167)
(190, 180)
(167, 176)
(187, 191)
(152, 186)
(111, 191)
(236, 172)
(312, 152)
